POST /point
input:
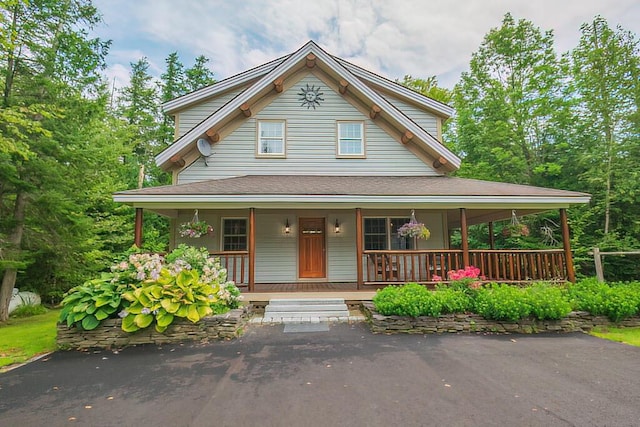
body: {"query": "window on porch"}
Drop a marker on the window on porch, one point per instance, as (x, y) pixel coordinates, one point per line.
(381, 234)
(234, 234)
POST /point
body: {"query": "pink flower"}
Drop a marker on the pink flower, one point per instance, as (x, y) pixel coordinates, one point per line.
(436, 278)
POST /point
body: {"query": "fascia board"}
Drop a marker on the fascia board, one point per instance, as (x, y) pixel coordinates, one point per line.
(397, 89)
(477, 202)
(232, 82)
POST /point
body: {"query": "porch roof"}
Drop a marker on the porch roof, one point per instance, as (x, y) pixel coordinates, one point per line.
(343, 192)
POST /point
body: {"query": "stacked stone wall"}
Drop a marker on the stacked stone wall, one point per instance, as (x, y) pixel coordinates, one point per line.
(468, 322)
(110, 334)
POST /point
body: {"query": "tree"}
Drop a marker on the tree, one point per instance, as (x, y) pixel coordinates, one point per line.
(605, 70)
(428, 87)
(199, 75)
(46, 58)
(506, 104)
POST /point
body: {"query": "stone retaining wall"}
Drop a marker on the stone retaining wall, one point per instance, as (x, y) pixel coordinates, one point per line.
(456, 323)
(110, 334)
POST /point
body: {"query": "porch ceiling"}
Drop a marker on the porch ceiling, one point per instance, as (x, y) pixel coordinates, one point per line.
(486, 200)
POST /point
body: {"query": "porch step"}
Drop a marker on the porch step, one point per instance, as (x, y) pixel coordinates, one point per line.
(281, 310)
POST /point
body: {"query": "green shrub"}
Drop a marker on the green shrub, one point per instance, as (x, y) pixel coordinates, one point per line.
(87, 305)
(547, 301)
(411, 300)
(616, 301)
(502, 302)
(28, 310)
(454, 300)
(145, 288)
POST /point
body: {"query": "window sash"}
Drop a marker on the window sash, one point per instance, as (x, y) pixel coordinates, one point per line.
(350, 138)
(381, 234)
(271, 138)
(234, 234)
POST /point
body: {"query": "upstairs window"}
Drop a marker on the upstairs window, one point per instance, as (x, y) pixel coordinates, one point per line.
(381, 234)
(271, 141)
(350, 139)
(234, 234)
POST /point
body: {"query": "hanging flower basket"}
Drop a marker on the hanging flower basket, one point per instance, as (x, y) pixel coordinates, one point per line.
(195, 228)
(515, 228)
(413, 228)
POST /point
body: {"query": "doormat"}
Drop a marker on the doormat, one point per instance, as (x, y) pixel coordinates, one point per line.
(306, 327)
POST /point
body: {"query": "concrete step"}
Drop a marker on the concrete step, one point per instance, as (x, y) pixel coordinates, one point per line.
(307, 314)
(304, 307)
(305, 301)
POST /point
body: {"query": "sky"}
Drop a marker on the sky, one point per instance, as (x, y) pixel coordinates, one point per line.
(389, 37)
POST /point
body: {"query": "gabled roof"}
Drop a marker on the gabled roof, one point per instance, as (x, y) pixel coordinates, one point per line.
(263, 85)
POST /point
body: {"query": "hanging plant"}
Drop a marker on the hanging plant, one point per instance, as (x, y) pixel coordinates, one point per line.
(515, 228)
(413, 228)
(195, 228)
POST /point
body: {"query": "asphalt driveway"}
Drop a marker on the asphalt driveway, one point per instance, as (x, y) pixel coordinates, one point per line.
(344, 377)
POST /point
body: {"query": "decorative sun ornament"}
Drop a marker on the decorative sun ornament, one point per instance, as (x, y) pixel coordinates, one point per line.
(311, 96)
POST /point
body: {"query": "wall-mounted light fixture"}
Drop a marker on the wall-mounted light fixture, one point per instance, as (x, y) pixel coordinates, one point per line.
(336, 227)
(287, 227)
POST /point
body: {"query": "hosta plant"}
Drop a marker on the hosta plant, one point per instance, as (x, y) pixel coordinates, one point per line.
(87, 305)
(172, 295)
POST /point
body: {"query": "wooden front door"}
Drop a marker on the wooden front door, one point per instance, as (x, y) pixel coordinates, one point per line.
(311, 248)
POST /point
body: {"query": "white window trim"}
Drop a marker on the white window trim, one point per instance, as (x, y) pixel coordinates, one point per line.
(222, 235)
(361, 155)
(281, 155)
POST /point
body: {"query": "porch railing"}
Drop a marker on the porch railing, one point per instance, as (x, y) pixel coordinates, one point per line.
(237, 265)
(420, 266)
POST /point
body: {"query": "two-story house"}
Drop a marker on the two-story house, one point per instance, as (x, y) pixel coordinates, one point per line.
(306, 167)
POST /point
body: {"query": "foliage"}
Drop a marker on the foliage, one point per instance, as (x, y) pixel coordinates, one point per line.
(502, 302)
(414, 229)
(23, 338)
(27, 310)
(411, 300)
(427, 87)
(145, 288)
(467, 279)
(166, 297)
(85, 306)
(617, 301)
(454, 300)
(548, 302)
(195, 229)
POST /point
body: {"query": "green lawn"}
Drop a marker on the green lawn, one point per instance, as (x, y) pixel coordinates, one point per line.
(629, 336)
(23, 338)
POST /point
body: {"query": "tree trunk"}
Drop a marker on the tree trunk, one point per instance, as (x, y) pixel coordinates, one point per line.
(15, 239)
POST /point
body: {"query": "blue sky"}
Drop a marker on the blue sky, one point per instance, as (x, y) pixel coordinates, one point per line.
(389, 37)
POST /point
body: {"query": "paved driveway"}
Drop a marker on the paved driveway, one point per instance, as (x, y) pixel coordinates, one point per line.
(344, 377)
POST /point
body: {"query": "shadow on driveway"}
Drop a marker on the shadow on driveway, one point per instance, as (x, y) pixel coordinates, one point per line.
(344, 377)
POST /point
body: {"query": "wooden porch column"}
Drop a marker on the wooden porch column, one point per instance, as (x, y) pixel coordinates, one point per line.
(492, 240)
(252, 248)
(359, 247)
(137, 235)
(464, 236)
(566, 244)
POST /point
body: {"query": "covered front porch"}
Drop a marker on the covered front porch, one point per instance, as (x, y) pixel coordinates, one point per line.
(298, 234)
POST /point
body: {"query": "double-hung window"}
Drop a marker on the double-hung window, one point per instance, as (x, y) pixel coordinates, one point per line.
(382, 234)
(271, 138)
(350, 139)
(234, 234)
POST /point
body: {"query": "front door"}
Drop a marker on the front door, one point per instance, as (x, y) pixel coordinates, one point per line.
(311, 251)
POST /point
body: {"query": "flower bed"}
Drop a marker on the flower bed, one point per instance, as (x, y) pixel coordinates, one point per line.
(110, 334)
(576, 321)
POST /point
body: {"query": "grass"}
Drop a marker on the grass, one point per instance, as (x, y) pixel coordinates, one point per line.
(629, 336)
(23, 338)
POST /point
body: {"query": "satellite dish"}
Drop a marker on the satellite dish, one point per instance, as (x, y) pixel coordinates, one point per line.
(204, 148)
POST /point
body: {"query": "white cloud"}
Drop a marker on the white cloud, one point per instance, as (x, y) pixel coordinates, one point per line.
(392, 38)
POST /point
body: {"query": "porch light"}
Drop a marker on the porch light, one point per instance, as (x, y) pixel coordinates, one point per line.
(287, 227)
(337, 226)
